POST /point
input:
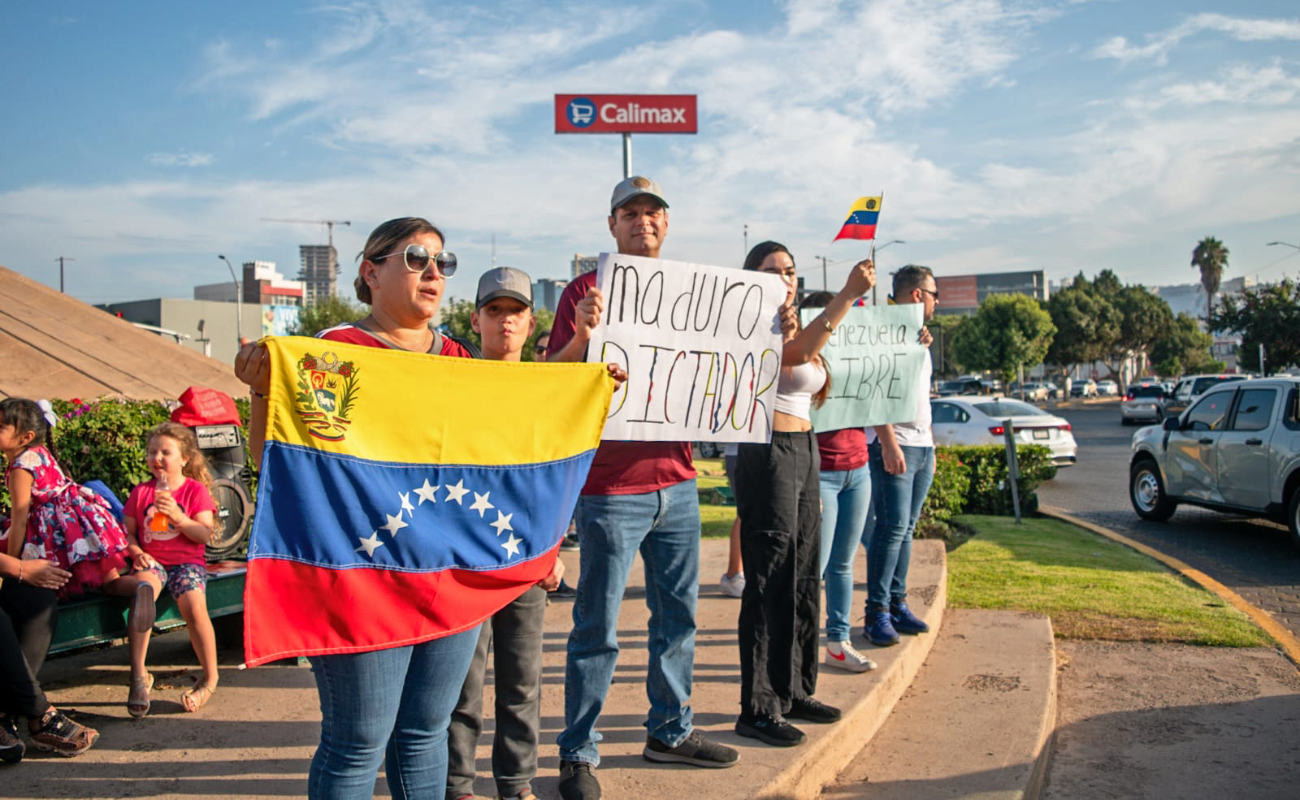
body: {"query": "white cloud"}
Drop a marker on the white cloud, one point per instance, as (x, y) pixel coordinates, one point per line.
(181, 158)
(1159, 45)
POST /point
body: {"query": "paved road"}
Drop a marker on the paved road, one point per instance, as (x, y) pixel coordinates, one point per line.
(1254, 557)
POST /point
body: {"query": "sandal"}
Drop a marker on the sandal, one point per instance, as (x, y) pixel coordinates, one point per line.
(143, 609)
(58, 734)
(137, 703)
(197, 697)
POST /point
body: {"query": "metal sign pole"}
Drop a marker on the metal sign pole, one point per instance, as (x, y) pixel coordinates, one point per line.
(627, 155)
(1013, 467)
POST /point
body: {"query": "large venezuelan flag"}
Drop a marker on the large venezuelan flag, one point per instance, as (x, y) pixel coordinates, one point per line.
(861, 222)
(404, 497)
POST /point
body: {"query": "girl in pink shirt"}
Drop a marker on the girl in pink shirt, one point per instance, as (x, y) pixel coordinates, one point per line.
(168, 522)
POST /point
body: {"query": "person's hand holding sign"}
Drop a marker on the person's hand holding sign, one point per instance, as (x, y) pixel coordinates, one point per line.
(925, 337)
(789, 322)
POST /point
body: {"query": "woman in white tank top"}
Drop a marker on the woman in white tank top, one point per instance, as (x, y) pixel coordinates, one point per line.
(780, 523)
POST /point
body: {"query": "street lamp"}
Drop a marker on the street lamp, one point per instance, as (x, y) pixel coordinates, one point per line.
(1288, 244)
(239, 302)
(878, 249)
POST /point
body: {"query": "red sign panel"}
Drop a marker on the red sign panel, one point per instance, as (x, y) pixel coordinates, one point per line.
(625, 113)
(959, 291)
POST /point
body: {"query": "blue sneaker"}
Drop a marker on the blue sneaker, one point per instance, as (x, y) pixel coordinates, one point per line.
(905, 621)
(880, 629)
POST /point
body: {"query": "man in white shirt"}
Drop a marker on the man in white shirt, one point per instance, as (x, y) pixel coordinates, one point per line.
(901, 460)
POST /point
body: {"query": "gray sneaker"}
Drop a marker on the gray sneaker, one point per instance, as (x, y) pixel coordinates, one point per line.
(696, 751)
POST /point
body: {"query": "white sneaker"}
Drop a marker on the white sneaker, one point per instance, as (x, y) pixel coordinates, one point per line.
(734, 586)
(841, 655)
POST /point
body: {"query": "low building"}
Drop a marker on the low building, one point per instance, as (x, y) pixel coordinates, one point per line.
(261, 284)
(207, 326)
(962, 294)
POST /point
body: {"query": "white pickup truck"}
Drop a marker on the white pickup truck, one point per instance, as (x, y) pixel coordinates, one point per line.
(1236, 449)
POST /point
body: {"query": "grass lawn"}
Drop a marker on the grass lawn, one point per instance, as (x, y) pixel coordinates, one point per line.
(1091, 587)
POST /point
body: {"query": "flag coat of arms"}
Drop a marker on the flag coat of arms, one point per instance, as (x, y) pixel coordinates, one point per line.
(861, 222)
(404, 497)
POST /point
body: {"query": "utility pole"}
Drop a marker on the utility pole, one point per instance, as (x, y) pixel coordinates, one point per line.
(61, 259)
(825, 284)
(746, 255)
(239, 302)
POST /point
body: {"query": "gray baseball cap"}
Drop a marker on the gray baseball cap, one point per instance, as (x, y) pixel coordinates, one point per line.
(504, 282)
(635, 186)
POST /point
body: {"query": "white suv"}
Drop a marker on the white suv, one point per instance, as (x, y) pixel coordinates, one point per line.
(1237, 449)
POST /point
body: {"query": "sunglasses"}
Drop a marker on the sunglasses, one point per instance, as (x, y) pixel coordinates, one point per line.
(935, 295)
(416, 257)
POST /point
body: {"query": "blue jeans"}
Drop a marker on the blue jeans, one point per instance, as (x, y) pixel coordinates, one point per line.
(846, 499)
(390, 706)
(665, 527)
(896, 501)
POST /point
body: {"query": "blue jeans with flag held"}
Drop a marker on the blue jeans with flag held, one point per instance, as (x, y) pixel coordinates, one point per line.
(664, 526)
(896, 502)
(391, 706)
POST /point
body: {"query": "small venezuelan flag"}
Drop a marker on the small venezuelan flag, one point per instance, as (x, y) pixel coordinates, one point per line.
(861, 223)
(404, 497)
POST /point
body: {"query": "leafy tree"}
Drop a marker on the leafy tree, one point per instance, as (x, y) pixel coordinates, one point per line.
(328, 312)
(1183, 347)
(1267, 315)
(1144, 317)
(1008, 331)
(1211, 258)
(456, 321)
(1087, 325)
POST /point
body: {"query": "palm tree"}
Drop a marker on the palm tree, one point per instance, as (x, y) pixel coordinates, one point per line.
(1211, 257)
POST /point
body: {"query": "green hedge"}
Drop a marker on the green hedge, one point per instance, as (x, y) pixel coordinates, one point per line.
(948, 493)
(988, 491)
(104, 440)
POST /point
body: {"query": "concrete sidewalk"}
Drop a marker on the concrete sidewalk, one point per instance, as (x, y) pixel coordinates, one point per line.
(256, 737)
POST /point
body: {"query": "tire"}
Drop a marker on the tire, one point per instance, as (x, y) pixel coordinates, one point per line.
(1293, 517)
(230, 522)
(1146, 491)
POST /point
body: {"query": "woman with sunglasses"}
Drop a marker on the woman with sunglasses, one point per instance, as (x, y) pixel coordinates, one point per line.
(394, 703)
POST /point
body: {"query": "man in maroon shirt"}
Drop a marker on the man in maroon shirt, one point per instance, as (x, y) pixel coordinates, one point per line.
(639, 496)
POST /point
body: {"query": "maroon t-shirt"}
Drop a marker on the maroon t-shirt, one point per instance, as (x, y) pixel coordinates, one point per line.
(842, 450)
(621, 467)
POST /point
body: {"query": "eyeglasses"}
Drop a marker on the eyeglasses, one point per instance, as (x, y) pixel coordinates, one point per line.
(416, 257)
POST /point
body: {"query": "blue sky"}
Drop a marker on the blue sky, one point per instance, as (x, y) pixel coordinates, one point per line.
(143, 139)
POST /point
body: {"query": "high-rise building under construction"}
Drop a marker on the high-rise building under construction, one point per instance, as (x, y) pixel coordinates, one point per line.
(320, 271)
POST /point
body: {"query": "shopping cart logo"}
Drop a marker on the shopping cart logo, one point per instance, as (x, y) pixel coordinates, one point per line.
(581, 112)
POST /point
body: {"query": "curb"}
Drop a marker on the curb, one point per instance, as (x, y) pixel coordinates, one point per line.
(1286, 640)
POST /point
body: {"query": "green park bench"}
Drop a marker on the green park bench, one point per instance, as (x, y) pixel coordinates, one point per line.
(96, 619)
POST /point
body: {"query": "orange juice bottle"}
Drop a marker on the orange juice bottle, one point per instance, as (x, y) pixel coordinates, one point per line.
(158, 522)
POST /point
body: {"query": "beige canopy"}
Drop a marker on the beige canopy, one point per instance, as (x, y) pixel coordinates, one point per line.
(55, 346)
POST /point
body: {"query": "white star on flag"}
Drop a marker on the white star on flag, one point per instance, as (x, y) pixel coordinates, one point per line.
(406, 504)
(503, 523)
(395, 523)
(427, 492)
(481, 503)
(512, 545)
(456, 492)
(370, 545)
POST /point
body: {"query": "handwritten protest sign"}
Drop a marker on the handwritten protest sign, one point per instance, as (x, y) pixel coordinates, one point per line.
(701, 345)
(875, 361)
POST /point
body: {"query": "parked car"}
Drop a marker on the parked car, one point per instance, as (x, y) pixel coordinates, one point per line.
(981, 420)
(1190, 387)
(1236, 449)
(962, 386)
(1107, 388)
(1053, 391)
(1144, 402)
(1086, 388)
(1031, 391)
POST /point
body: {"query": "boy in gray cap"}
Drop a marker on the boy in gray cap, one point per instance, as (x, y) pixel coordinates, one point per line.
(503, 318)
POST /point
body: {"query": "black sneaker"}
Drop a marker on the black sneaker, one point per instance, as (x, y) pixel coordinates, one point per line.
(578, 781)
(58, 734)
(11, 747)
(570, 542)
(564, 591)
(772, 730)
(696, 751)
(813, 710)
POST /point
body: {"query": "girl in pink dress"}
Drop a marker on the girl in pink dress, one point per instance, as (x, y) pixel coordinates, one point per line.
(52, 517)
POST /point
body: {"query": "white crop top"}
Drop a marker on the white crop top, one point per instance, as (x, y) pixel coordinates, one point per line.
(796, 387)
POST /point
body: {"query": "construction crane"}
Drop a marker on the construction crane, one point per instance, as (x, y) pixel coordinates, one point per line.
(328, 223)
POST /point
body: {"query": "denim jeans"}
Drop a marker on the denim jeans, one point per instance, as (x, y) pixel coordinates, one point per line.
(896, 501)
(846, 499)
(665, 527)
(392, 706)
(515, 636)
